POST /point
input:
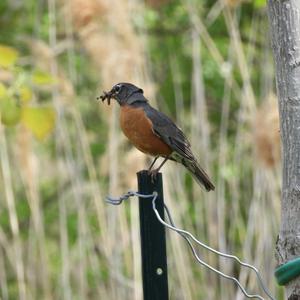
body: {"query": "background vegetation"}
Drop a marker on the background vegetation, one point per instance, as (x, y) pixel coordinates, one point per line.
(208, 65)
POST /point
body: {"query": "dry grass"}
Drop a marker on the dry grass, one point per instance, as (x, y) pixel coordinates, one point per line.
(266, 132)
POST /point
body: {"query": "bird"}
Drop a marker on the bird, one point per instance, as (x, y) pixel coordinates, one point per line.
(154, 133)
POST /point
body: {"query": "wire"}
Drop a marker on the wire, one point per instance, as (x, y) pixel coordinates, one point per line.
(179, 231)
(189, 238)
(204, 263)
(120, 199)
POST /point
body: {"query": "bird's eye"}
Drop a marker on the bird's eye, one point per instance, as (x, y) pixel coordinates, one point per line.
(117, 89)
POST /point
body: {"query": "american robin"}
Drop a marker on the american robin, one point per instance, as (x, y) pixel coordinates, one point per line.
(152, 132)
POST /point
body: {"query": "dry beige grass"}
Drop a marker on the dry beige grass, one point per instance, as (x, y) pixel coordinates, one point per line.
(267, 132)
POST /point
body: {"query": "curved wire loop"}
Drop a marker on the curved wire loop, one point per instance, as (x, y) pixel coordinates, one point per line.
(190, 238)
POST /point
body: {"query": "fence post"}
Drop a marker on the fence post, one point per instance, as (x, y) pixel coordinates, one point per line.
(153, 240)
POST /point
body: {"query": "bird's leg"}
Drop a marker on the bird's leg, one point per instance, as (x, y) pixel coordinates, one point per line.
(154, 172)
(152, 164)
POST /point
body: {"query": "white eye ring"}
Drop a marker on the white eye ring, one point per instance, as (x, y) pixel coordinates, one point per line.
(117, 88)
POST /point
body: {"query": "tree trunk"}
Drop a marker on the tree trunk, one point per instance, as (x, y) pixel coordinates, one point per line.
(284, 19)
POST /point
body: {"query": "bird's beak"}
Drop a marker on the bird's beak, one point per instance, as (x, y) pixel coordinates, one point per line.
(106, 95)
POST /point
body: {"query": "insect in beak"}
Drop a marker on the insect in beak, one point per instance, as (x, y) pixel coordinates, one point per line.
(106, 96)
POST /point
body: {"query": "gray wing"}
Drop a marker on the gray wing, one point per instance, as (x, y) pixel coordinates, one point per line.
(167, 130)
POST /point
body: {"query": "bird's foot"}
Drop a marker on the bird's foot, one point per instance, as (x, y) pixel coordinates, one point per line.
(153, 174)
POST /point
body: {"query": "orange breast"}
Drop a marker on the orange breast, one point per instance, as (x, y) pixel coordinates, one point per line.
(138, 128)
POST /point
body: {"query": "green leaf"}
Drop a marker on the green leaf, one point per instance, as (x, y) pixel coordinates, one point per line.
(259, 3)
(8, 56)
(25, 94)
(10, 112)
(43, 78)
(3, 91)
(40, 120)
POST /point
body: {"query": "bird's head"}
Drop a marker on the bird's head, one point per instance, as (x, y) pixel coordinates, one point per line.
(124, 93)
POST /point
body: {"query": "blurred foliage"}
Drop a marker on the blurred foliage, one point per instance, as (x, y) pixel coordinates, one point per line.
(170, 35)
(17, 92)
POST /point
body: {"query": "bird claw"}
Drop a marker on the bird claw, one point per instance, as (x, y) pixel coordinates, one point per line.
(153, 174)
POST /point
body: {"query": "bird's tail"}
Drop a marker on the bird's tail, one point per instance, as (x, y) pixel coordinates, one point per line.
(198, 173)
